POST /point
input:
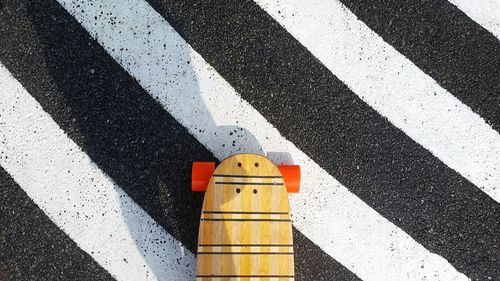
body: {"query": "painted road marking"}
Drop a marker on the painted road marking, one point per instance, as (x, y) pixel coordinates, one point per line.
(79, 198)
(146, 45)
(395, 87)
(484, 12)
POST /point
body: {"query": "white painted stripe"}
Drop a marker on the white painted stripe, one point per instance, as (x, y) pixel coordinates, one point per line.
(201, 100)
(484, 12)
(395, 87)
(79, 198)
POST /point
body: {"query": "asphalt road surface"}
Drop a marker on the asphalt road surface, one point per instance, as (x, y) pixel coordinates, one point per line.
(392, 109)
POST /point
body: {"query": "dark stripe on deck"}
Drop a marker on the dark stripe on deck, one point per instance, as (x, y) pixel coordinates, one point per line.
(242, 212)
(245, 245)
(231, 219)
(248, 176)
(248, 183)
(245, 253)
(245, 276)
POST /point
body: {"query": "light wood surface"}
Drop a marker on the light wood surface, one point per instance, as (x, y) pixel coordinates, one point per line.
(245, 229)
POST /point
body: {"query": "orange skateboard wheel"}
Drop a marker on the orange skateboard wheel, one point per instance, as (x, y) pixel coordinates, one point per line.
(291, 177)
(200, 175)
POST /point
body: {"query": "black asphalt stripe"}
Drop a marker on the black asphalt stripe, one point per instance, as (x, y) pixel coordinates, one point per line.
(312, 108)
(127, 133)
(440, 39)
(311, 263)
(32, 247)
(105, 111)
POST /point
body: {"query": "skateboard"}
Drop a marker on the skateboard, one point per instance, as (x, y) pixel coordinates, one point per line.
(245, 228)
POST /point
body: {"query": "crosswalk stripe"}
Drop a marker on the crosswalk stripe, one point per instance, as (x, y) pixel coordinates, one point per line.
(79, 198)
(220, 111)
(29, 241)
(484, 12)
(459, 54)
(118, 124)
(310, 107)
(395, 87)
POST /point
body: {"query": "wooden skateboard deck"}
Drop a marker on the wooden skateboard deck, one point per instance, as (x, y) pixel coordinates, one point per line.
(245, 228)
